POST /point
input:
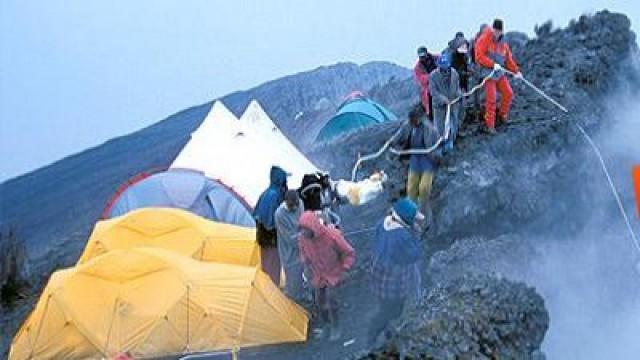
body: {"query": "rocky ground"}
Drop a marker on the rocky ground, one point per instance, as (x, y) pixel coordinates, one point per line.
(488, 199)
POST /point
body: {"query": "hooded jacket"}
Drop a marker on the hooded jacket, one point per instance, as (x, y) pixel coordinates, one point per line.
(287, 229)
(271, 198)
(422, 79)
(395, 244)
(430, 137)
(327, 253)
(444, 88)
(489, 51)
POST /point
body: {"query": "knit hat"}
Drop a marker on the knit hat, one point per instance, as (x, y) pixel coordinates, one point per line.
(422, 51)
(406, 210)
(444, 61)
(498, 24)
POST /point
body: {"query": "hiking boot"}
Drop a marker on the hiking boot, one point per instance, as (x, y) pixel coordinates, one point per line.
(503, 119)
(491, 131)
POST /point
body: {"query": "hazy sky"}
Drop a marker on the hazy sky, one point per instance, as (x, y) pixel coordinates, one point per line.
(76, 73)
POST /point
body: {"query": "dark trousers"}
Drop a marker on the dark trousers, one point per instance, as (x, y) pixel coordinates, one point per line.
(327, 306)
(388, 310)
(270, 260)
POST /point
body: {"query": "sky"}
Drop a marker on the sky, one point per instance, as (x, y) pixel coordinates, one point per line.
(76, 73)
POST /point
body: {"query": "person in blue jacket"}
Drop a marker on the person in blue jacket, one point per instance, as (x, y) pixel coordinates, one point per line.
(395, 271)
(266, 234)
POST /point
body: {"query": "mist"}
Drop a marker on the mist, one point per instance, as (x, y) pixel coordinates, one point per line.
(591, 281)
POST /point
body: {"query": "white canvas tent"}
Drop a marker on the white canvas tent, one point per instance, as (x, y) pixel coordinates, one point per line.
(240, 153)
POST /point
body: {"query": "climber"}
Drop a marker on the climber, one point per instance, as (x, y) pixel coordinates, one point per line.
(286, 220)
(458, 51)
(327, 256)
(424, 66)
(492, 53)
(418, 133)
(329, 199)
(266, 234)
(395, 274)
(444, 87)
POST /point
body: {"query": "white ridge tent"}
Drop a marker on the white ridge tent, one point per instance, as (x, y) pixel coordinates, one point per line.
(240, 153)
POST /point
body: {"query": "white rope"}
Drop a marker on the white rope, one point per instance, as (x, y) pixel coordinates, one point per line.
(445, 136)
(365, 230)
(632, 234)
(614, 191)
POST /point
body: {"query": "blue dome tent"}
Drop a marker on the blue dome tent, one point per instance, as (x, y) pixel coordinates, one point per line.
(355, 113)
(185, 189)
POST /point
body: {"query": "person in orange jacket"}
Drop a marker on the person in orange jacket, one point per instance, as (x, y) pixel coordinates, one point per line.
(492, 53)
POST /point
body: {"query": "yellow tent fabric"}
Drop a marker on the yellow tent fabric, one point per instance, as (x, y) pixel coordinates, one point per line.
(177, 230)
(151, 302)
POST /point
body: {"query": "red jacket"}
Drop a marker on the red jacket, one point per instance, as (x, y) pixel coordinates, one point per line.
(488, 51)
(327, 253)
(422, 78)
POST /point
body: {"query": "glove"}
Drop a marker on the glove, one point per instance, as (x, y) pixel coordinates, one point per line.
(518, 75)
(497, 67)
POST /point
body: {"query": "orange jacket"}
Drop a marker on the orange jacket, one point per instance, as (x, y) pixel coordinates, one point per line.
(488, 51)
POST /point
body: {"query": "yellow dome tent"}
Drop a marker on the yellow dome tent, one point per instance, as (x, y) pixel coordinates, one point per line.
(176, 230)
(150, 302)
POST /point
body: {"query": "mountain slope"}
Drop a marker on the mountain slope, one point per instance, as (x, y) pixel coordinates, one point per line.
(54, 208)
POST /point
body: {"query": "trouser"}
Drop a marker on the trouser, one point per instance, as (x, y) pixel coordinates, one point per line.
(270, 261)
(388, 310)
(327, 306)
(506, 93)
(419, 186)
(293, 287)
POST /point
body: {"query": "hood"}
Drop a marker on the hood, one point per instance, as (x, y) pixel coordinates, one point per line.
(457, 42)
(278, 176)
(311, 221)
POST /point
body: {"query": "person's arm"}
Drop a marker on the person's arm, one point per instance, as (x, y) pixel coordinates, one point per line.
(482, 45)
(347, 254)
(510, 62)
(438, 97)
(456, 83)
(422, 78)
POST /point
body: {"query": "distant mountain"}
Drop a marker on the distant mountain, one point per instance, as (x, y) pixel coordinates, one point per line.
(300, 104)
(53, 209)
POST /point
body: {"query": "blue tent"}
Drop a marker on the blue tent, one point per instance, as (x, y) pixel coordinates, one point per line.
(184, 189)
(355, 113)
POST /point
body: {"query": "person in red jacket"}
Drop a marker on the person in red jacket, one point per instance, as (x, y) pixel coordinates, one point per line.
(492, 53)
(327, 255)
(426, 63)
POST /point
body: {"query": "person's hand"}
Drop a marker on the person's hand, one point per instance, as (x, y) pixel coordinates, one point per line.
(496, 67)
(518, 75)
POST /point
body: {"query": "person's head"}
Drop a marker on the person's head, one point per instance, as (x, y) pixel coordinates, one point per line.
(423, 52)
(325, 180)
(444, 64)
(291, 200)
(278, 176)
(460, 34)
(405, 210)
(498, 28)
(414, 117)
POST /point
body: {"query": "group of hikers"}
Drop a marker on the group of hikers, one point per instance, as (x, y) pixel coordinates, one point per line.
(299, 232)
(443, 79)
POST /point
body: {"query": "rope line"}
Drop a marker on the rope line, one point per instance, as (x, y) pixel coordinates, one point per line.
(614, 191)
(441, 138)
